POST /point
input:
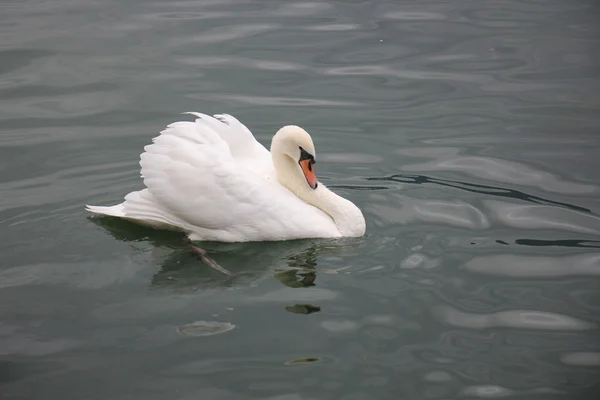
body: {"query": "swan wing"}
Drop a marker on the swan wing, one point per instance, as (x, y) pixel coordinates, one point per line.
(192, 175)
(242, 144)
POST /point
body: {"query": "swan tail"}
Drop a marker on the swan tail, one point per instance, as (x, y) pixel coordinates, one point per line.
(139, 207)
(112, 211)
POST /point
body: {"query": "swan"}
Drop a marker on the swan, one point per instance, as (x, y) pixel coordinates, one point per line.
(211, 179)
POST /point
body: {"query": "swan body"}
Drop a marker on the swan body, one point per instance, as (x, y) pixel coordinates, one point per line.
(211, 179)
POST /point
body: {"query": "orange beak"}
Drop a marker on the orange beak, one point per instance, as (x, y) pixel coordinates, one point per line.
(308, 167)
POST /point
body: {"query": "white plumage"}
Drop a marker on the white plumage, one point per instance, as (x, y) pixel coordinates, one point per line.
(211, 179)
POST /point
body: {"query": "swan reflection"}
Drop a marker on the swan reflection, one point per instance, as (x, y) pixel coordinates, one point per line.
(293, 263)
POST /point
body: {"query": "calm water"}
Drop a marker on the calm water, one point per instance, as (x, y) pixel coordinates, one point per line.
(467, 131)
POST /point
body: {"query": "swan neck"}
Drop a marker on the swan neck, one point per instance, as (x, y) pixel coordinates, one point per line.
(347, 216)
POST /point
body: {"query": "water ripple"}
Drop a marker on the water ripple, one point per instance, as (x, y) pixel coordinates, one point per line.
(528, 266)
(453, 213)
(285, 101)
(223, 34)
(519, 319)
(493, 169)
(481, 189)
(584, 359)
(542, 217)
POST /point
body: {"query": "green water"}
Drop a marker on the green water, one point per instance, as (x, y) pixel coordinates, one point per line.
(466, 131)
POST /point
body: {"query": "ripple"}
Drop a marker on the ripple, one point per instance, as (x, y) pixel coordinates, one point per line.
(582, 359)
(542, 217)
(45, 90)
(485, 190)
(285, 101)
(414, 16)
(339, 326)
(305, 360)
(15, 59)
(204, 328)
(25, 345)
(334, 27)
(487, 391)
(224, 34)
(291, 295)
(418, 260)
(89, 276)
(300, 9)
(355, 158)
(525, 266)
(383, 70)
(437, 376)
(520, 319)
(495, 169)
(243, 62)
(454, 213)
(54, 186)
(183, 15)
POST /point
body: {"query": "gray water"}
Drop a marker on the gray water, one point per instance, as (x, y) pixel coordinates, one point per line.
(467, 132)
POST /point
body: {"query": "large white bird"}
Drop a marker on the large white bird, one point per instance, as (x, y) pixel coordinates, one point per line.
(212, 180)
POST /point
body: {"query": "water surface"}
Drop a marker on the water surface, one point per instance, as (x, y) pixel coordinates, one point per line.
(466, 131)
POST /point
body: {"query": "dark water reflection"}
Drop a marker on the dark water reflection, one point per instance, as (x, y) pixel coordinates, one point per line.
(466, 131)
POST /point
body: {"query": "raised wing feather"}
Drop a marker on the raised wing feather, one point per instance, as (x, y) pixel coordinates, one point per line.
(244, 147)
(191, 174)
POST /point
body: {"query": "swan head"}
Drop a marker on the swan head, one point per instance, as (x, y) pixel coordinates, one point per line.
(294, 156)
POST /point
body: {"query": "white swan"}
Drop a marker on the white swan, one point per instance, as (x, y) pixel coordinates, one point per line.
(212, 180)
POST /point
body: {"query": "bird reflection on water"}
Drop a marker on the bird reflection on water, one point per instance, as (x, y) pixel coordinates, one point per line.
(292, 263)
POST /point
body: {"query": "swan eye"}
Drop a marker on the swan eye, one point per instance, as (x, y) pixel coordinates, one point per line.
(305, 155)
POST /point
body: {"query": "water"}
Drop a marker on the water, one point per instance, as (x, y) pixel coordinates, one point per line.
(466, 131)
